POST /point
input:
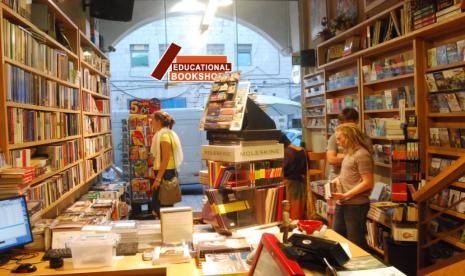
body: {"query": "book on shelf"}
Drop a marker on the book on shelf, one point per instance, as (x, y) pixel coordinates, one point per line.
(96, 124)
(389, 99)
(321, 208)
(351, 45)
(392, 66)
(438, 164)
(343, 78)
(337, 104)
(97, 164)
(35, 53)
(451, 79)
(28, 88)
(56, 186)
(447, 137)
(95, 83)
(29, 125)
(384, 127)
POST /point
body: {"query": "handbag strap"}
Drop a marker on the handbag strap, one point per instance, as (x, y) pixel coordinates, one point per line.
(172, 152)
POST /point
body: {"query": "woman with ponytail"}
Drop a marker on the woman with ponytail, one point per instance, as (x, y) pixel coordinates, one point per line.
(354, 184)
(167, 153)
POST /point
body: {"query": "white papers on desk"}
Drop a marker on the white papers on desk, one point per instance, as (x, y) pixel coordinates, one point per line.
(385, 271)
(176, 224)
(254, 236)
(97, 228)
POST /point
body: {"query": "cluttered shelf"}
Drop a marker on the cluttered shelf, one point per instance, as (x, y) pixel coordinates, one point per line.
(52, 173)
(315, 127)
(315, 105)
(313, 96)
(96, 114)
(39, 72)
(42, 142)
(40, 108)
(62, 198)
(12, 15)
(450, 24)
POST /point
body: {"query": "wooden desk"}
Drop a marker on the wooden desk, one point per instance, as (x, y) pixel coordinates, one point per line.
(128, 265)
(134, 265)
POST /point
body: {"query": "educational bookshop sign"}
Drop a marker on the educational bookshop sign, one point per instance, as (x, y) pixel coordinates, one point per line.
(190, 68)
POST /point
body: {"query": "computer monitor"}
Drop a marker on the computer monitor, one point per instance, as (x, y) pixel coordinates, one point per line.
(15, 228)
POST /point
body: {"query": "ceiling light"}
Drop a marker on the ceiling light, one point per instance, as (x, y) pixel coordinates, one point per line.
(188, 6)
(209, 15)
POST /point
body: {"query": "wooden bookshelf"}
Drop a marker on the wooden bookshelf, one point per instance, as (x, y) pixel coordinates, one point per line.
(96, 114)
(16, 18)
(341, 89)
(446, 151)
(447, 115)
(396, 78)
(42, 142)
(459, 185)
(41, 108)
(95, 94)
(52, 173)
(39, 73)
(316, 105)
(394, 110)
(449, 212)
(445, 67)
(316, 127)
(76, 38)
(93, 69)
(96, 134)
(314, 85)
(453, 241)
(315, 116)
(314, 96)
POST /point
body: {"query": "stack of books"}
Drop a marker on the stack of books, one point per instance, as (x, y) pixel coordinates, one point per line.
(447, 9)
(423, 13)
(13, 181)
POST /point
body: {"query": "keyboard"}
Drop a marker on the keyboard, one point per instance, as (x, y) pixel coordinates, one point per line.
(57, 253)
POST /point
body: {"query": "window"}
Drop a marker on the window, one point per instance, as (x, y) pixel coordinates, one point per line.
(162, 49)
(139, 55)
(244, 54)
(179, 102)
(215, 49)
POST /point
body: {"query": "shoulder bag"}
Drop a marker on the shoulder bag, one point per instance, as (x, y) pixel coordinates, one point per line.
(170, 191)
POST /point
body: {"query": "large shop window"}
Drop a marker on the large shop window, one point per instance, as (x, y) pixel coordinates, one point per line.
(139, 55)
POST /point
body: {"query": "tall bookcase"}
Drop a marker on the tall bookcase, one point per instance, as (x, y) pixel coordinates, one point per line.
(49, 93)
(432, 114)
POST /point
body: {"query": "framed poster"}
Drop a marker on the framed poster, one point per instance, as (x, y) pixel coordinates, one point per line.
(317, 12)
(348, 8)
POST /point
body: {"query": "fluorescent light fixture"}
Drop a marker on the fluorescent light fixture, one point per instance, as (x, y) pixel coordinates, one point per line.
(188, 6)
(209, 15)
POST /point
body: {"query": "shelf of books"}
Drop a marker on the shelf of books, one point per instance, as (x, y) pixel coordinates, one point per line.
(314, 95)
(42, 108)
(444, 78)
(342, 91)
(394, 27)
